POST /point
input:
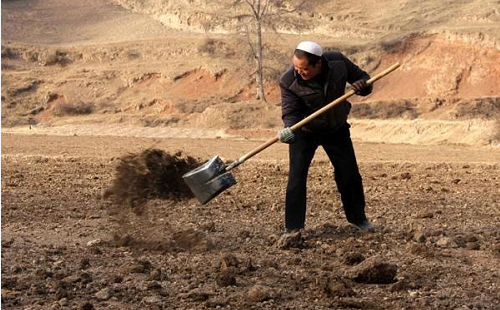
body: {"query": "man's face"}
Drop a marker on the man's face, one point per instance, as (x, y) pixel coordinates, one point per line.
(306, 70)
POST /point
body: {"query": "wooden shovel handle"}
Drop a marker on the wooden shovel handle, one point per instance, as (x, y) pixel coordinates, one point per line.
(342, 98)
(306, 120)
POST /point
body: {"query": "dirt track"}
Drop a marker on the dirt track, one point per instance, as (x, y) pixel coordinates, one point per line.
(64, 247)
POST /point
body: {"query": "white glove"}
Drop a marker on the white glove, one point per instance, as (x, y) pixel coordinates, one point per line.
(286, 135)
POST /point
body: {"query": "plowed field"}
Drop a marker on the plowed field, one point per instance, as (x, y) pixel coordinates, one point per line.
(436, 210)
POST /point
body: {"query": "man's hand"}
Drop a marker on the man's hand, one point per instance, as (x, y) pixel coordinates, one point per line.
(359, 85)
(286, 135)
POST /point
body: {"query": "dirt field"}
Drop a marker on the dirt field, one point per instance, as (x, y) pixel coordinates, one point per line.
(436, 209)
(85, 83)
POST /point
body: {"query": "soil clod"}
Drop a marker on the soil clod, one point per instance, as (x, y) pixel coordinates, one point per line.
(353, 258)
(374, 270)
(259, 293)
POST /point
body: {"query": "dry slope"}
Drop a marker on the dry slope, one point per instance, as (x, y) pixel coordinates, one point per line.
(133, 63)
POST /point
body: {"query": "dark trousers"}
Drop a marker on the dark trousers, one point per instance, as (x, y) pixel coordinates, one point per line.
(338, 147)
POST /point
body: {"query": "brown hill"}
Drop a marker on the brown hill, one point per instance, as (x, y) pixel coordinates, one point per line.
(142, 64)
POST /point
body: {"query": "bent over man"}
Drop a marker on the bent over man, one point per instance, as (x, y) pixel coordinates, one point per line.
(314, 80)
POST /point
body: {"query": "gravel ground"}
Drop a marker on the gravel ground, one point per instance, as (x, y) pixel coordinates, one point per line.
(64, 246)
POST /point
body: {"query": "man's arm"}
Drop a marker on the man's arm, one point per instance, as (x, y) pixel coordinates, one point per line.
(291, 107)
(357, 78)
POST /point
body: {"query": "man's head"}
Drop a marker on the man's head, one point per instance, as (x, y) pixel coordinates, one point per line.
(307, 59)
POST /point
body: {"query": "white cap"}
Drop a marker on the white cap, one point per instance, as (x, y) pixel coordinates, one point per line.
(310, 47)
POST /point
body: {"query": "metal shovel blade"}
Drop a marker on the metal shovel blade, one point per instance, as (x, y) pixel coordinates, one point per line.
(209, 179)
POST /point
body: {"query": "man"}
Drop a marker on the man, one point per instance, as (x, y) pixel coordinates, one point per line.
(314, 80)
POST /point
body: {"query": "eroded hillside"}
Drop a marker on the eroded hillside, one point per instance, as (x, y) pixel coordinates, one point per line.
(186, 64)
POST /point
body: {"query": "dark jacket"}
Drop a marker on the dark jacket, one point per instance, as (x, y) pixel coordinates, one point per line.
(300, 98)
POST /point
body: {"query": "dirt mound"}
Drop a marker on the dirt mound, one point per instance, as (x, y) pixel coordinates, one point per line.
(148, 175)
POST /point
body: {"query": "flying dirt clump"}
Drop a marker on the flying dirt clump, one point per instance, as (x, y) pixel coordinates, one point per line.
(151, 174)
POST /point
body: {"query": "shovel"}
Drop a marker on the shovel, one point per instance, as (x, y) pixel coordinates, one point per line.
(213, 177)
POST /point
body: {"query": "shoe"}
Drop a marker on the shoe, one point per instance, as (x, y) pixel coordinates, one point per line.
(364, 226)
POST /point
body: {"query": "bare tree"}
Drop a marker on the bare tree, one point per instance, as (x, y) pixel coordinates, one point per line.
(254, 18)
(263, 13)
(259, 9)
